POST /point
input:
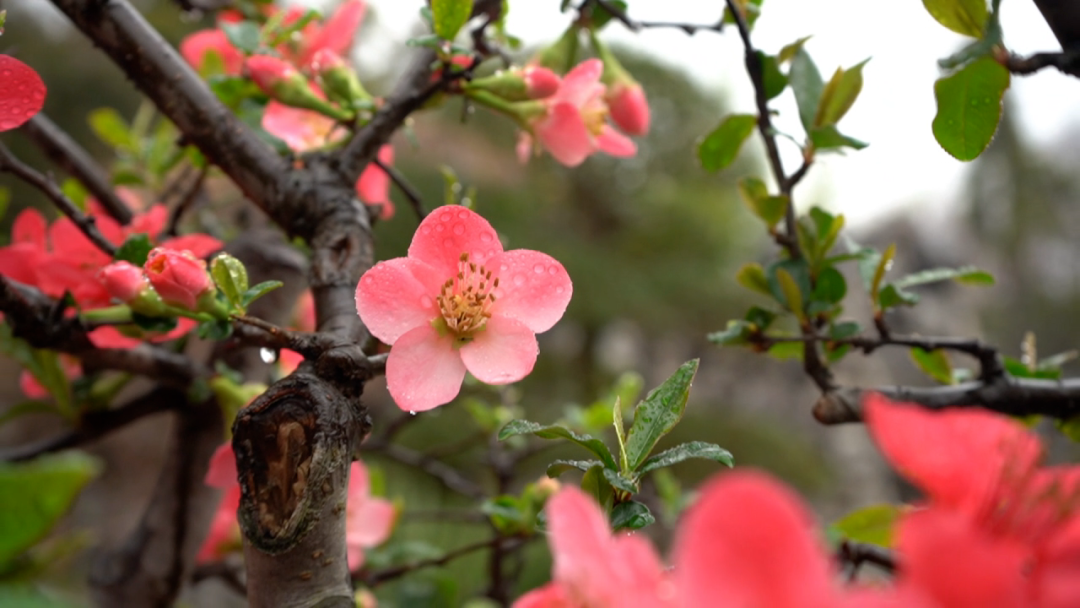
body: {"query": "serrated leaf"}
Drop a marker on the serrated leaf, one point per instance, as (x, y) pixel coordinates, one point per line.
(258, 291)
(594, 445)
(35, 495)
(872, 524)
(686, 451)
(559, 467)
(967, 17)
(720, 147)
(659, 413)
(449, 16)
(752, 277)
(244, 35)
(806, 83)
(135, 249)
(964, 274)
(112, 129)
(934, 363)
(839, 94)
(969, 107)
(231, 278)
(631, 515)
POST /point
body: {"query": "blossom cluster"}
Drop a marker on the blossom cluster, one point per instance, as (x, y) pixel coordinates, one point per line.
(995, 529)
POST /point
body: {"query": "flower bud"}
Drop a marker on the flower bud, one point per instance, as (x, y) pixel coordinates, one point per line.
(179, 277)
(127, 283)
(282, 82)
(339, 81)
(532, 82)
(629, 108)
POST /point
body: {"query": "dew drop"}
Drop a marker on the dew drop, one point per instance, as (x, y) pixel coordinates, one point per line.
(503, 268)
(519, 279)
(459, 229)
(559, 290)
(425, 230)
(444, 217)
(538, 269)
(412, 413)
(485, 237)
(463, 215)
(267, 355)
(553, 271)
(440, 228)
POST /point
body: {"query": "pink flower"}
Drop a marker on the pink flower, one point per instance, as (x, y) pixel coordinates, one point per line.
(195, 48)
(33, 389)
(335, 34)
(540, 82)
(373, 186)
(272, 74)
(300, 129)
(22, 95)
(574, 125)
(224, 534)
(998, 529)
(124, 281)
(459, 302)
(111, 337)
(629, 108)
(746, 542)
(368, 520)
(178, 276)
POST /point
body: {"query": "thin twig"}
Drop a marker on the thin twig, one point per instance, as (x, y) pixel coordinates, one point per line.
(405, 187)
(48, 187)
(446, 474)
(76, 161)
(636, 26)
(186, 201)
(856, 554)
(1067, 62)
(376, 578)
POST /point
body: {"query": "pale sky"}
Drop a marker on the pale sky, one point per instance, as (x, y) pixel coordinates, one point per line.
(903, 162)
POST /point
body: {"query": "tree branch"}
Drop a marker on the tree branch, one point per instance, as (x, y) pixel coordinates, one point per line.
(405, 187)
(636, 26)
(857, 554)
(375, 578)
(444, 473)
(1067, 62)
(48, 187)
(77, 162)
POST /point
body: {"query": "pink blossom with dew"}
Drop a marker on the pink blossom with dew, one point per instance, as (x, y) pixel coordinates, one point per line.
(22, 94)
(459, 303)
(574, 125)
(123, 280)
(178, 276)
(373, 185)
(368, 520)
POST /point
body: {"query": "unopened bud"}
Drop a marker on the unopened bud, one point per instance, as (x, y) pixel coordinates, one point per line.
(179, 277)
(624, 96)
(532, 82)
(127, 283)
(338, 79)
(282, 82)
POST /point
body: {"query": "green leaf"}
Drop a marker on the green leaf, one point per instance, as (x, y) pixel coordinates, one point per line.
(231, 278)
(759, 317)
(831, 286)
(934, 363)
(1070, 428)
(969, 107)
(686, 451)
(828, 227)
(752, 277)
(594, 445)
(35, 495)
(448, 16)
(27, 407)
(872, 524)
(659, 413)
(5, 200)
(559, 467)
(755, 194)
(74, 191)
(600, 15)
(218, 329)
(806, 82)
(792, 294)
(839, 94)
(829, 138)
(257, 291)
(967, 17)
(594, 484)
(135, 249)
(787, 53)
(735, 334)
(162, 324)
(619, 482)
(890, 296)
(774, 80)
(112, 129)
(22, 595)
(244, 35)
(631, 515)
(620, 433)
(721, 146)
(879, 272)
(964, 274)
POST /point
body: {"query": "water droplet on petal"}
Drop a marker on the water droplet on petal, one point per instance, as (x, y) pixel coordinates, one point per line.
(444, 217)
(559, 290)
(462, 215)
(425, 230)
(440, 228)
(485, 237)
(267, 355)
(412, 413)
(459, 230)
(519, 279)
(538, 269)
(503, 268)
(553, 270)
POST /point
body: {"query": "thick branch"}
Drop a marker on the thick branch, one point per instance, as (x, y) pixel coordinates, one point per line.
(48, 187)
(96, 424)
(77, 162)
(160, 73)
(1006, 394)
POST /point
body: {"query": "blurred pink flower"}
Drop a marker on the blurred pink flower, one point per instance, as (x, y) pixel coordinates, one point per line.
(368, 520)
(373, 186)
(459, 302)
(224, 534)
(22, 94)
(195, 48)
(629, 108)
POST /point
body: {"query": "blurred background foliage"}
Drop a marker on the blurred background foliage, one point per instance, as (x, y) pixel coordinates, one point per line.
(651, 243)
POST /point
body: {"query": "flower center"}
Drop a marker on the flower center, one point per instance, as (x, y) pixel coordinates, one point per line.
(465, 300)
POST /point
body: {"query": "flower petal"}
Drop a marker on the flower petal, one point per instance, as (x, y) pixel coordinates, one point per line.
(200, 245)
(449, 231)
(338, 31)
(564, 134)
(300, 129)
(613, 143)
(551, 595)
(748, 540)
(22, 95)
(534, 288)
(29, 227)
(582, 83)
(934, 450)
(504, 352)
(222, 471)
(396, 296)
(110, 337)
(423, 370)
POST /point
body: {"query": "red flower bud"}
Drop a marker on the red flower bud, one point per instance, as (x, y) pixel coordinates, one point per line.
(540, 82)
(629, 109)
(123, 280)
(178, 276)
(272, 74)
